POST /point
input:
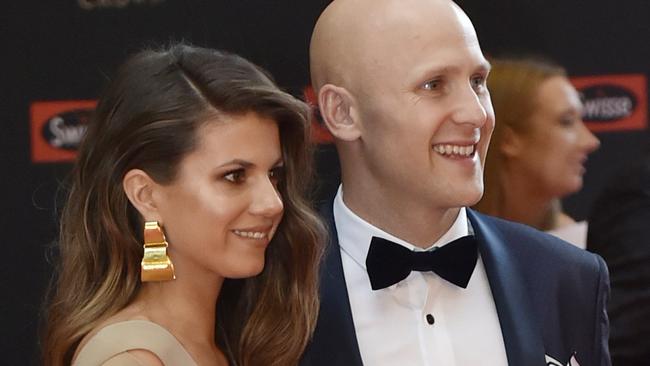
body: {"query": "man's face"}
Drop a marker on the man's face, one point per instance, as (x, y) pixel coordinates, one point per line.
(425, 110)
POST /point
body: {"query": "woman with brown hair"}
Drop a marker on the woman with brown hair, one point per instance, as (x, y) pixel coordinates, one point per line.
(186, 238)
(539, 147)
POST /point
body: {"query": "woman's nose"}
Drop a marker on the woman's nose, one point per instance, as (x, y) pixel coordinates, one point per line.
(590, 142)
(267, 201)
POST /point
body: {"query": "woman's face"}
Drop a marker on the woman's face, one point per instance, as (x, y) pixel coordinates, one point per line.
(555, 147)
(223, 207)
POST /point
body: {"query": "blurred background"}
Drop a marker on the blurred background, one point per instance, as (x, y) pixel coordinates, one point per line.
(57, 56)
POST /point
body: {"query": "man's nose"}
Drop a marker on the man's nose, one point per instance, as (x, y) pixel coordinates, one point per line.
(469, 108)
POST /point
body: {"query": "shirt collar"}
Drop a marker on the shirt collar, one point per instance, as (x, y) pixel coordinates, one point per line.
(354, 233)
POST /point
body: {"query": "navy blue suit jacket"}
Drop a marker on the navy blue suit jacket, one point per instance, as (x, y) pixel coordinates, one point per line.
(550, 298)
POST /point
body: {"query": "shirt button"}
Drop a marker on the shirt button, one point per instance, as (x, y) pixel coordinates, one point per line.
(430, 319)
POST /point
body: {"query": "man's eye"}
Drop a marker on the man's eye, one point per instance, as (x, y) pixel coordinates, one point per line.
(478, 82)
(435, 84)
(235, 176)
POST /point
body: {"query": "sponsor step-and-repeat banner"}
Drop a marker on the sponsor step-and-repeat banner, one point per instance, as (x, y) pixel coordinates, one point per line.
(57, 127)
(99, 4)
(614, 102)
(59, 55)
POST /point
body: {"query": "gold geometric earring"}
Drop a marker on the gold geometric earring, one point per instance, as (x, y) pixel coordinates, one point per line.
(156, 264)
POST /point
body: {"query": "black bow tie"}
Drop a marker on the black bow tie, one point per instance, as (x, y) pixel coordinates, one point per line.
(389, 263)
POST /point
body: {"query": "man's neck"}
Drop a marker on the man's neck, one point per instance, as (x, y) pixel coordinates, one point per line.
(412, 222)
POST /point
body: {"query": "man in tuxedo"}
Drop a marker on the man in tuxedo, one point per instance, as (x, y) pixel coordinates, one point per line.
(412, 277)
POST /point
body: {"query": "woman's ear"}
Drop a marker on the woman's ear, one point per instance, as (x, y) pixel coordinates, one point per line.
(511, 144)
(139, 189)
(337, 110)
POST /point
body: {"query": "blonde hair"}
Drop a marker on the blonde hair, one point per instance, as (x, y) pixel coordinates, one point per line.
(513, 85)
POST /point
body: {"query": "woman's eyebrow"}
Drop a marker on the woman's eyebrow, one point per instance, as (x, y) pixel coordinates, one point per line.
(243, 163)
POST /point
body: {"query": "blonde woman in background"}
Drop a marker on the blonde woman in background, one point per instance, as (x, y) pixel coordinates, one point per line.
(539, 147)
(196, 155)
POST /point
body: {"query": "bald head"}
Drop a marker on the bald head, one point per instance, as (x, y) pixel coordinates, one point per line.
(352, 38)
(400, 83)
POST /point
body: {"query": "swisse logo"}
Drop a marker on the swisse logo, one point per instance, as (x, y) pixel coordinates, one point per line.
(605, 103)
(65, 130)
(92, 4)
(614, 102)
(57, 128)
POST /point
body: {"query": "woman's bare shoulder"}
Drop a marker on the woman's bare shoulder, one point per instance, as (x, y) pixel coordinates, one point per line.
(137, 357)
(127, 314)
(134, 358)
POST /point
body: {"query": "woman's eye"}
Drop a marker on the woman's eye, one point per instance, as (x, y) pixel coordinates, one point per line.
(568, 121)
(235, 176)
(276, 174)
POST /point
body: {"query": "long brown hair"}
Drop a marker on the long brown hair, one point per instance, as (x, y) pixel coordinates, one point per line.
(513, 85)
(147, 119)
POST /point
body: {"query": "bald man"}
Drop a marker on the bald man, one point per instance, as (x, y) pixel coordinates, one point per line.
(412, 277)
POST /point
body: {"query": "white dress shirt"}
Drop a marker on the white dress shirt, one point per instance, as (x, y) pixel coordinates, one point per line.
(393, 324)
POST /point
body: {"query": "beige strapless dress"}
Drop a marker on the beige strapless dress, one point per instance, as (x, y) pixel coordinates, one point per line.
(110, 345)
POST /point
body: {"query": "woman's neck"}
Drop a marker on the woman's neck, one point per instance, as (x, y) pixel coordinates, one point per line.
(187, 308)
(527, 204)
(540, 215)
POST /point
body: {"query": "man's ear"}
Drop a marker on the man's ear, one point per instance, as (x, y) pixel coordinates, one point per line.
(511, 144)
(139, 189)
(337, 110)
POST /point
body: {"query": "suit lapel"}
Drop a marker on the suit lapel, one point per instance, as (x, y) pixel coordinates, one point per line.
(521, 335)
(334, 341)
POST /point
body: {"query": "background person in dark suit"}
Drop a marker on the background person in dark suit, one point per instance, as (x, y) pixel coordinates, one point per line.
(401, 86)
(618, 231)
